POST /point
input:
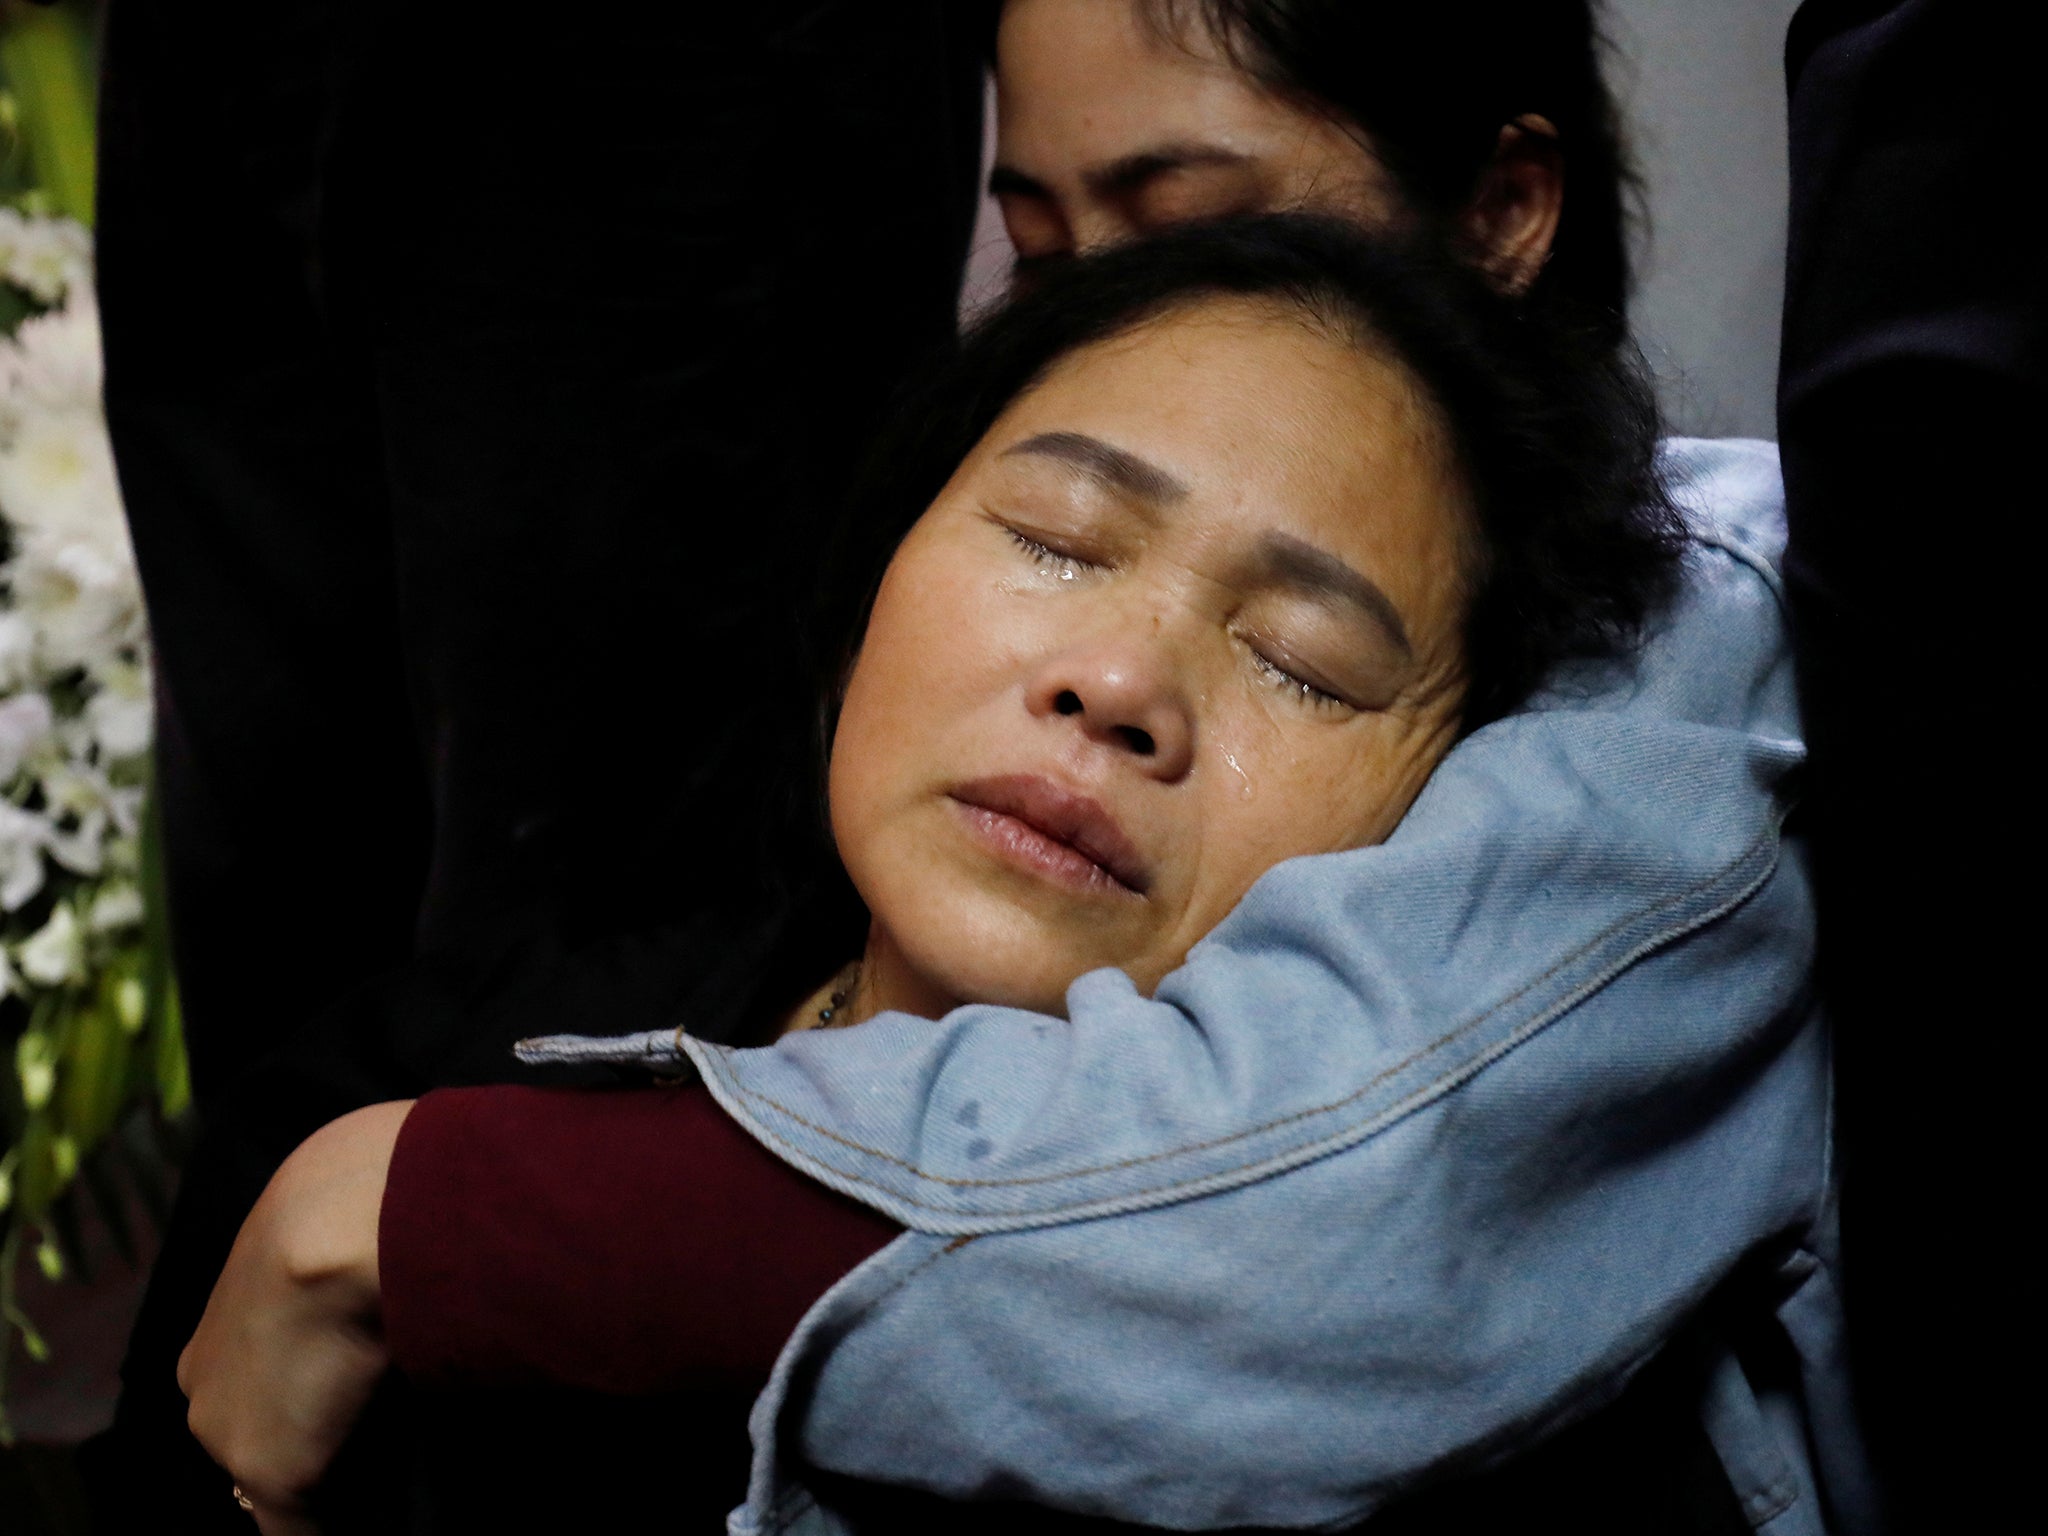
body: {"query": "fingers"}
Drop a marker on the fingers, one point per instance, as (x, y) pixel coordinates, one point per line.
(275, 1519)
(274, 1408)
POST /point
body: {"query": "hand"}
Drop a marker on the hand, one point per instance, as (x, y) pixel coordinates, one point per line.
(290, 1347)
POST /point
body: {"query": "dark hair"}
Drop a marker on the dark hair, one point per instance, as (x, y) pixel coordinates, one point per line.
(1432, 84)
(1554, 432)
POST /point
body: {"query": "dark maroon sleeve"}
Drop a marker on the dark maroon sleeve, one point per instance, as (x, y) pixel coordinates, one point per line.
(630, 1241)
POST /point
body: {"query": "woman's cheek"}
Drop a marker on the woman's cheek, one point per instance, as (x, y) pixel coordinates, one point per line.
(1304, 786)
(935, 647)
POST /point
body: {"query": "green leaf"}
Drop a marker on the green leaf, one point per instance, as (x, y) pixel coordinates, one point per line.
(173, 1075)
(35, 1067)
(35, 1175)
(95, 1068)
(46, 56)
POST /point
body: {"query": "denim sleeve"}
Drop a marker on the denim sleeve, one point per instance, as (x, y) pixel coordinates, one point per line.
(1423, 1150)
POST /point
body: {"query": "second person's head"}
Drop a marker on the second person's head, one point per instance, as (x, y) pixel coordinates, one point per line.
(1484, 121)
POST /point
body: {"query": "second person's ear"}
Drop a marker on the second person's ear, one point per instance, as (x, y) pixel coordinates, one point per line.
(1512, 219)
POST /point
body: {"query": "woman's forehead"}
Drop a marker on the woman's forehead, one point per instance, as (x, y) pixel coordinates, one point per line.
(1231, 388)
(1084, 84)
(1230, 424)
(1112, 55)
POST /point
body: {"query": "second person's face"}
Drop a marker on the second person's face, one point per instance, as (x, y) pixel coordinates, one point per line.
(1108, 130)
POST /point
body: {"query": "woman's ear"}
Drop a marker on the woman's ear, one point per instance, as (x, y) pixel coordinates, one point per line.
(1512, 219)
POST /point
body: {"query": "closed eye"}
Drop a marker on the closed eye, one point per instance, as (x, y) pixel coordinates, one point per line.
(1067, 567)
(1300, 689)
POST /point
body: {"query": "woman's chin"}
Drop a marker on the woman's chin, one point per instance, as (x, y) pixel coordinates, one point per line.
(994, 986)
(950, 931)
(1012, 969)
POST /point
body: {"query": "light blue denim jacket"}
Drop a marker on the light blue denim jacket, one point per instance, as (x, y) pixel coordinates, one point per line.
(1425, 1149)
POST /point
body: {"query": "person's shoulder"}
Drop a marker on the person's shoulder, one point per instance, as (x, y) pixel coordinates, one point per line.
(1731, 493)
(1718, 652)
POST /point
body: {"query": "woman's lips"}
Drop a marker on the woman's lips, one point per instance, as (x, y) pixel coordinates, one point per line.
(1053, 832)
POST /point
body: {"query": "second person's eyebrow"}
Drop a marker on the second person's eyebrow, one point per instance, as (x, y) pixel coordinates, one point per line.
(1125, 174)
(1131, 172)
(1114, 468)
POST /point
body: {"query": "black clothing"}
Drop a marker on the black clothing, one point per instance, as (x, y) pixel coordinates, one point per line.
(480, 388)
(479, 392)
(1910, 374)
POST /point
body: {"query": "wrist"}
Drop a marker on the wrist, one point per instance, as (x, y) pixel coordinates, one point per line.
(326, 1200)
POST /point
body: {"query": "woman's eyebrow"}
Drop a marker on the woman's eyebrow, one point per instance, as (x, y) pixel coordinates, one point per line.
(1130, 172)
(1286, 561)
(1005, 178)
(1122, 176)
(1113, 468)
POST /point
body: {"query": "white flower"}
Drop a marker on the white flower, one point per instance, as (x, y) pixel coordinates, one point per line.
(73, 573)
(24, 837)
(83, 849)
(55, 953)
(25, 725)
(83, 790)
(119, 711)
(45, 256)
(98, 814)
(57, 482)
(83, 607)
(116, 906)
(17, 649)
(53, 362)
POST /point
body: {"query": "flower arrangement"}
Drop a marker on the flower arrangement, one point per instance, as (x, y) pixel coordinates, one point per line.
(88, 1018)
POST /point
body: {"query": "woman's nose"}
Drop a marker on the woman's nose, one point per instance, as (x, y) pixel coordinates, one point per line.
(1124, 697)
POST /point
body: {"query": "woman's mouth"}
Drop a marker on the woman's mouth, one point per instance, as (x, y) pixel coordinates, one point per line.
(1055, 833)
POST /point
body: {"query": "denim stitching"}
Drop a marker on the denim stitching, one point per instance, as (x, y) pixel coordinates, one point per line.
(1140, 1199)
(1763, 838)
(1303, 1114)
(795, 1500)
(1729, 544)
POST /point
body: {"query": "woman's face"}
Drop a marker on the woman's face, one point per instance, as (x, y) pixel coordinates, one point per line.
(1191, 607)
(1108, 130)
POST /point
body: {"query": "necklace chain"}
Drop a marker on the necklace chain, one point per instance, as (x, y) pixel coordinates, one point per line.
(840, 995)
